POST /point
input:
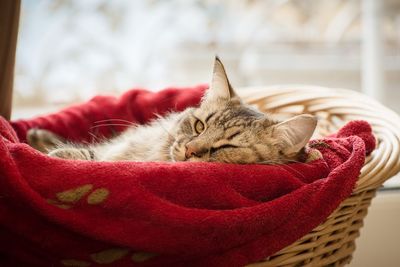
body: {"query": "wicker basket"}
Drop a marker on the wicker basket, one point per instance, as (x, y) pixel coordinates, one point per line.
(333, 242)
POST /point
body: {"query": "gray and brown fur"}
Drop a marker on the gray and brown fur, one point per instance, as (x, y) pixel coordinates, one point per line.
(221, 129)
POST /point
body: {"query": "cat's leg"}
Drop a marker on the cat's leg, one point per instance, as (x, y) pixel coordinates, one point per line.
(43, 140)
(79, 153)
(56, 146)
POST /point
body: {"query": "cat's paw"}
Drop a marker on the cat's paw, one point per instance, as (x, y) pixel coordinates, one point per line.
(43, 140)
(72, 153)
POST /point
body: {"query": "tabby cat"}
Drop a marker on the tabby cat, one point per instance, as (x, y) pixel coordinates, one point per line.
(222, 129)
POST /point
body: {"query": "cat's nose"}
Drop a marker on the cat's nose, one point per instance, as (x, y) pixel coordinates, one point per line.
(191, 150)
(194, 150)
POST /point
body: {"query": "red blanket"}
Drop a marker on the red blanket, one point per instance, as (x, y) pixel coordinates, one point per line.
(57, 212)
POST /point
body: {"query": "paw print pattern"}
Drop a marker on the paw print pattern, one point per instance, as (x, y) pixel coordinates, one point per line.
(109, 256)
(66, 199)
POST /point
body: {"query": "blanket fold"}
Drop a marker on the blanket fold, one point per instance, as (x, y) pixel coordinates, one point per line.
(56, 212)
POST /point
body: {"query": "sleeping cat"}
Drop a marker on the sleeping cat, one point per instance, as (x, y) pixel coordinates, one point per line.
(222, 129)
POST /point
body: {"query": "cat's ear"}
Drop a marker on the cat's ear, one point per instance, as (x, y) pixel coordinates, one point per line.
(220, 88)
(295, 132)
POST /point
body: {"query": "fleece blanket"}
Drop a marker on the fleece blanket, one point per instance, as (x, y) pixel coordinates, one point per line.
(56, 212)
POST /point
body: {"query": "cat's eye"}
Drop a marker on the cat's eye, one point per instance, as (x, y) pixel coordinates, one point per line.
(199, 126)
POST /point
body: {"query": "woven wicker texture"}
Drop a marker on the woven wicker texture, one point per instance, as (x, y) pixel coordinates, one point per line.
(333, 242)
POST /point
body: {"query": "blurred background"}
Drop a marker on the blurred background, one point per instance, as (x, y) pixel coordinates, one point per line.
(70, 50)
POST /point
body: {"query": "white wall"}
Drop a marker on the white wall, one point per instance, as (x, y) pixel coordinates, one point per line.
(379, 243)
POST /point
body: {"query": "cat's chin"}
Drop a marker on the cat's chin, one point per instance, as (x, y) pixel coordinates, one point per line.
(175, 157)
(196, 159)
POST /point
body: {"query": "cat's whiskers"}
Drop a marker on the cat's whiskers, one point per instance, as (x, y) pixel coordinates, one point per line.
(95, 138)
(109, 124)
(116, 120)
(129, 123)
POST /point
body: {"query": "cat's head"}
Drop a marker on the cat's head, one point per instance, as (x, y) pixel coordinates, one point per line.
(224, 129)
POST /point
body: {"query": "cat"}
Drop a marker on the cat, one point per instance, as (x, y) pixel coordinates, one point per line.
(222, 129)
